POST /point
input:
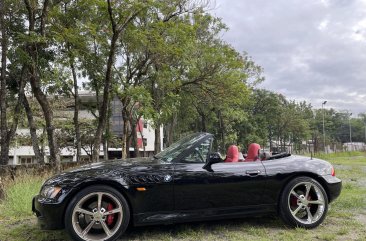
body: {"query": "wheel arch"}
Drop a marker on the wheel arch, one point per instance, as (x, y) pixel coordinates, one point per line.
(316, 177)
(111, 183)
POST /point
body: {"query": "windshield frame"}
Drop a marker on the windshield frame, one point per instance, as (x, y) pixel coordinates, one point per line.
(173, 153)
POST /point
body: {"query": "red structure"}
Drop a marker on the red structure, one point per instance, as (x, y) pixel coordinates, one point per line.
(139, 131)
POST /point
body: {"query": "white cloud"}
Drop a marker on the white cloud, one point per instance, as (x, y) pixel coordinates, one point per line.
(323, 24)
(325, 2)
(310, 50)
(359, 31)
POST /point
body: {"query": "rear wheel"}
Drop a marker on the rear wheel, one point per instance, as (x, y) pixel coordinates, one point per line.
(97, 213)
(303, 203)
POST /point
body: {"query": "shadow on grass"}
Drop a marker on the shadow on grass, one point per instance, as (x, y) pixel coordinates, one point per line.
(27, 229)
(201, 229)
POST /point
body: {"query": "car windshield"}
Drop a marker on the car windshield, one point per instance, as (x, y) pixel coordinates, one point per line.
(178, 147)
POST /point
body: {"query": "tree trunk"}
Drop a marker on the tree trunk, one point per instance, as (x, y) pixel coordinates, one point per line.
(35, 81)
(128, 141)
(117, 28)
(157, 143)
(170, 130)
(104, 108)
(270, 138)
(106, 155)
(76, 112)
(4, 157)
(107, 134)
(125, 134)
(105, 152)
(203, 119)
(33, 131)
(48, 115)
(221, 131)
(17, 111)
(141, 130)
(135, 139)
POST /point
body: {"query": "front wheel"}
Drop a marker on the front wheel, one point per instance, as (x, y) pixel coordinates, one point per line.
(303, 203)
(97, 213)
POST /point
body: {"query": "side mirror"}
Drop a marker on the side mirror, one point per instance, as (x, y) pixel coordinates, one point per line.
(213, 158)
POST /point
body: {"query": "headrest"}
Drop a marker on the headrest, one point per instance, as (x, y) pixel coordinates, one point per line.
(232, 154)
(253, 152)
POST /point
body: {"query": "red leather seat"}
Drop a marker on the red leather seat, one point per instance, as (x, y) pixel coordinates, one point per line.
(253, 152)
(232, 154)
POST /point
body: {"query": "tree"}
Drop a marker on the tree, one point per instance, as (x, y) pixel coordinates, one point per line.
(363, 118)
(71, 42)
(120, 15)
(3, 88)
(37, 64)
(263, 110)
(156, 35)
(13, 79)
(213, 87)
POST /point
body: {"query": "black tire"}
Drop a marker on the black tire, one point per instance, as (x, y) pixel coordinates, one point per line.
(109, 193)
(294, 207)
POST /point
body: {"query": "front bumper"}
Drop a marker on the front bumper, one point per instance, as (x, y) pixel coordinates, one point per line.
(50, 214)
(334, 187)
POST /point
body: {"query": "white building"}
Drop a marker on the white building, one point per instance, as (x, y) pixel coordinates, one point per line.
(146, 137)
(25, 155)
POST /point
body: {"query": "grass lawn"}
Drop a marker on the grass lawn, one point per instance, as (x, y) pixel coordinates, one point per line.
(346, 218)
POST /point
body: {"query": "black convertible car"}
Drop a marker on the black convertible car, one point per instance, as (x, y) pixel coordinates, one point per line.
(186, 182)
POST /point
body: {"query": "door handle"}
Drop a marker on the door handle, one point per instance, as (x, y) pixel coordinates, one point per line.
(253, 173)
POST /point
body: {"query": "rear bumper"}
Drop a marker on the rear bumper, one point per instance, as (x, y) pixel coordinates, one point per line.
(49, 214)
(334, 187)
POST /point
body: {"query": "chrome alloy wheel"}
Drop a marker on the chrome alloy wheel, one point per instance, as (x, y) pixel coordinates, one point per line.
(97, 216)
(306, 202)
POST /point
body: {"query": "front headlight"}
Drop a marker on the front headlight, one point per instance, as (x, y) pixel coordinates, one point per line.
(50, 191)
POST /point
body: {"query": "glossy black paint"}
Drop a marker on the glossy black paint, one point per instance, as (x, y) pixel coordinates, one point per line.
(181, 192)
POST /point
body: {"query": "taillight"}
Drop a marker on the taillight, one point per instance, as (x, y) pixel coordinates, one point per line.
(333, 172)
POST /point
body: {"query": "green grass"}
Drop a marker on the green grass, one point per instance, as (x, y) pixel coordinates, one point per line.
(18, 195)
(331, 156)
(346, 218)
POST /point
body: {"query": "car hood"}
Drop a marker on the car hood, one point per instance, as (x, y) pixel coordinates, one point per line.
(130, 163)
(116, 169)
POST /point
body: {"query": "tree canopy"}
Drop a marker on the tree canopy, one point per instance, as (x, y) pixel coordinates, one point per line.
(164, 60)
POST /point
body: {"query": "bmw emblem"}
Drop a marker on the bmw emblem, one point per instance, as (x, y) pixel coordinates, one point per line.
(167, 178)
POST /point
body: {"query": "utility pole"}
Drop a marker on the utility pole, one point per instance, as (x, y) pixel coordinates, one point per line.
(350, 130)
(324, 126)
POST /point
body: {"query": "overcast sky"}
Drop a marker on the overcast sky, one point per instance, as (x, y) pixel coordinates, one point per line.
(311, 50)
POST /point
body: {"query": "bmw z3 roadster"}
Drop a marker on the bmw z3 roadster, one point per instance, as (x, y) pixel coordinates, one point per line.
(186, 182)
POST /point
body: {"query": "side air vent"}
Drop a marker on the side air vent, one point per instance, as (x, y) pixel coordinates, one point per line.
(146, 179)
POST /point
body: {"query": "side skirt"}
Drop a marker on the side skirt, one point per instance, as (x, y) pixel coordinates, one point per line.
(182, 216)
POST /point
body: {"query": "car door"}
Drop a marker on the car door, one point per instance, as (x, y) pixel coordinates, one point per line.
(228, 186)
(237, 184)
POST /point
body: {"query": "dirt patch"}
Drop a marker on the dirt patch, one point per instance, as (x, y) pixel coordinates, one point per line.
(362, 217)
